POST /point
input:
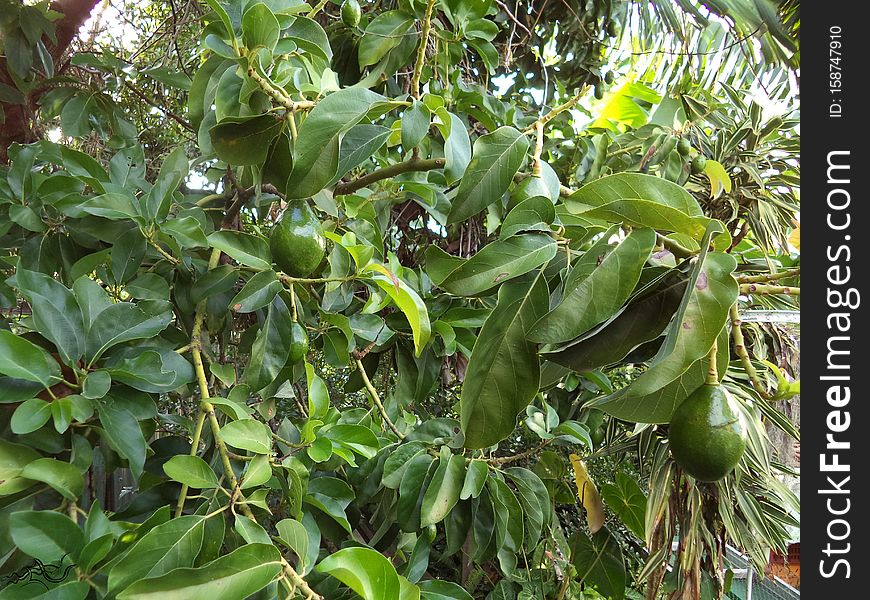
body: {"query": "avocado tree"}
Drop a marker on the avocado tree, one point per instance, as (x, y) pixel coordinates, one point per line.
(373, 300)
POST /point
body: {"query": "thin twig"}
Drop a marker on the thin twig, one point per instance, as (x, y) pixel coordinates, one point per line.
(376, 398)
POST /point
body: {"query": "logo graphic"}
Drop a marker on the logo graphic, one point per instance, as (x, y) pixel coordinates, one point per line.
(39, 572)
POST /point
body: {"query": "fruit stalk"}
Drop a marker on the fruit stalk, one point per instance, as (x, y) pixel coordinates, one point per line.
(712, 367)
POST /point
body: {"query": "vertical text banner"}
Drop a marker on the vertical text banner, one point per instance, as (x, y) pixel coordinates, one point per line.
(835, 346)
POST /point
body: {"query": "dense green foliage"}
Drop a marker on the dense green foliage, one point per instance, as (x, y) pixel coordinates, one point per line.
(393, 300)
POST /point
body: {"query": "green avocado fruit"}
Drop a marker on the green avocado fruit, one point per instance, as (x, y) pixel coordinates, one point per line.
(297, 242)
(350, 13)
(298, 343)
(707, 434)
(684, 147)
(609, 77)
(597, 436)
(697, 165)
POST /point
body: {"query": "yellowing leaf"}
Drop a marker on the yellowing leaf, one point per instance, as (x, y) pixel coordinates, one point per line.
(588, 494)
(719, 179)
(794, 237)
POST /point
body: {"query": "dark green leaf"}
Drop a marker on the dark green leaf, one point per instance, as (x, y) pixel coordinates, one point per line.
(258, 292)
(599, 562)
(367, 572)
(45, 534)
(22, 359)
(271, 347)
(496, 159)
(248, 249)
(495, 263)
(165, 547)
(191, 471)
(596, 286)
(627, 501)
(62, 476)
(244, 140)
(504, 371)
(244, 571)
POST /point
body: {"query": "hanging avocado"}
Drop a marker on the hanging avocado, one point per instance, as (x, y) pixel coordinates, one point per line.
(350, 13)
(298, 344)
(707, 435)
(298, 244)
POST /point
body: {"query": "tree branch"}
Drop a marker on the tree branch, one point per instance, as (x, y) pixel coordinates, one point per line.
(428, 164)
(421, 52)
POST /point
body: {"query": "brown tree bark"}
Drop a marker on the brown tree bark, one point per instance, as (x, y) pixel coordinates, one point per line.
(18, 126)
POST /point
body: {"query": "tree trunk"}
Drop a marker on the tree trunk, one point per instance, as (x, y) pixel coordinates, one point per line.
(18, 124)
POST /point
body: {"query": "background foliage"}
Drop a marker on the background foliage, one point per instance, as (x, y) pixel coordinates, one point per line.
(540, 218)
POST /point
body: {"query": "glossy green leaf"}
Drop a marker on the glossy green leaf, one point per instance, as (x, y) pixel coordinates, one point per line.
(294, 535)
(318, 393)
(191, 471)
(187, 231)
(443, 491)
(700, 319)
(30, 416)
(643, 200)
(244, 571)
(434, 589)
(156, 203)
(504, 371)
(155, 370)
(641, 322)
(408, 301)
(358, 146)
(251, 531)
(596, 287)
(123, 432)
(532, 214)
(258, 472)
(66, 479)
(627, 501)
(496, 159)
(316, 153)
(271, 347)
(244, 140)
(495, 263)
(415, 125)
(367, 572)
(535, 500)
(599, 562)
(248, 249)
(219, 280)
(475, 479)
(22, 359)
(411, 490)
(249, 435)
(383, 33)
(111, 206)
(166, 547)
(124, 322)
(398, 461)
(310, 36)
(259, 27)
(55, 312)
(258, 292)
(127, 254)
(45, 534)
